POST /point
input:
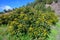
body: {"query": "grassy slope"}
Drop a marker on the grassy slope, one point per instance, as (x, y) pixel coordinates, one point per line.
(58, 29)
(55, 32)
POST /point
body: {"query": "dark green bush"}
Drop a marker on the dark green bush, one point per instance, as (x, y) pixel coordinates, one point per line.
(34, 23)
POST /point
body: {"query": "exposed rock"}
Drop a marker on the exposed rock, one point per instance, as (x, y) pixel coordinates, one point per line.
(55, 6)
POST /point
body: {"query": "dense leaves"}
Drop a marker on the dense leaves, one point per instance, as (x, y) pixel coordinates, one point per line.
(32, 21)
(46, 1)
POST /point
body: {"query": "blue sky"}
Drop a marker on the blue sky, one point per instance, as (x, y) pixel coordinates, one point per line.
(9, 4)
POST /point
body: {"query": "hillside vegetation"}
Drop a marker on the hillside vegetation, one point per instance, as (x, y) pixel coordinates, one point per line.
(30, 22)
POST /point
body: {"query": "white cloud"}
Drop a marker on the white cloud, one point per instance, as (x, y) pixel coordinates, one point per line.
(6, 7)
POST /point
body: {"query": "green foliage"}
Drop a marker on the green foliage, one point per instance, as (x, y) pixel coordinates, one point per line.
(58, 24)
(46, 1)
(40, 6)
(54, 32)
(30, 22)
(1, 38)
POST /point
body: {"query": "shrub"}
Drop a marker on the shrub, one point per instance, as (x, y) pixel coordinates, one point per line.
(34, 23)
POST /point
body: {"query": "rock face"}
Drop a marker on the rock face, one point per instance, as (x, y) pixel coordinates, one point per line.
(56, 8)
